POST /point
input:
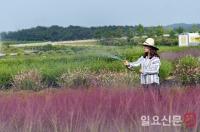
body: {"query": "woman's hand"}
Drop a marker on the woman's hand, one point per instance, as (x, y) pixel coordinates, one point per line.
(126, 63)
(141, 71)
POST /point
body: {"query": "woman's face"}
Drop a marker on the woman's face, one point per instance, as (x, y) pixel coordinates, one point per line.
(146, 49)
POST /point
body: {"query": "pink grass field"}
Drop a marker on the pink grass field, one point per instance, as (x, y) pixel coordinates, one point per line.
(96, 110)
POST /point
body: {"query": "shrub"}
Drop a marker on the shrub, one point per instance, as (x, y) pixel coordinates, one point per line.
(116, 79)
(28, 80)
(48, 47)
(5, 80)
(76, 79)
(50, 75)
(188, 70)
(138, 40)
(165, 69)
(114, 42)
(166, 41)
(86, 78)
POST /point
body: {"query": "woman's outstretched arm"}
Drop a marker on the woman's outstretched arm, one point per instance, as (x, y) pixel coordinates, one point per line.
(136, 63)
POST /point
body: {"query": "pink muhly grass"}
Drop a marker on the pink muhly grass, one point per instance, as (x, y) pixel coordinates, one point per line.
(94, 110)
(177, 55)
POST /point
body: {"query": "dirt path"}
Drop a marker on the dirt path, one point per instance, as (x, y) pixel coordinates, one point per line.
(91, 42)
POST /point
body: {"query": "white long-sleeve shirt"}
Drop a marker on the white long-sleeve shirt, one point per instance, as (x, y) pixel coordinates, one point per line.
(150, 68)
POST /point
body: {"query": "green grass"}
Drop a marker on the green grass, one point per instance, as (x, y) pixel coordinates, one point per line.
(52, 62)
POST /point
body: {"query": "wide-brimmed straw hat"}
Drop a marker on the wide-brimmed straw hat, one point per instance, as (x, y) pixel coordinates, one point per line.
(150, 43)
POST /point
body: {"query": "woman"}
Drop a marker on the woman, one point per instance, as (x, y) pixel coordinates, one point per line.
(150, 65)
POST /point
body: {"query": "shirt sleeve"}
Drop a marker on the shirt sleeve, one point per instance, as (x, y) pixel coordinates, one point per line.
(136, 63)
(153, 68)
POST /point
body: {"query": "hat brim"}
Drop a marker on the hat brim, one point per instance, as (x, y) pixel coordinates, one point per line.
(151, 46)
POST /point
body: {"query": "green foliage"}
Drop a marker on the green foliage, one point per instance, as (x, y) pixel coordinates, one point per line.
(166, 69)
(114, 42)
(58, 33)
(172, 34)
(138, 40)
(52, 62)
(139, 29)
(179, 30)
(159, 31)
(188, 70)
(166, 41)
(195, 28)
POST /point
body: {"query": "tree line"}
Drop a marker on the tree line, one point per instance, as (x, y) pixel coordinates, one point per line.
(58, 33)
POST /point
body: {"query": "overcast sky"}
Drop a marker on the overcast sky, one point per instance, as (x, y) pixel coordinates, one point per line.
(20, 14)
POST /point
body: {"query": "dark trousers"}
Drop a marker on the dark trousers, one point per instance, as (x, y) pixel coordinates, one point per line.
(154, 87)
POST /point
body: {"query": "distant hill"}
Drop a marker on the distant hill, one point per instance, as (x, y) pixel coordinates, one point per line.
(187, 27)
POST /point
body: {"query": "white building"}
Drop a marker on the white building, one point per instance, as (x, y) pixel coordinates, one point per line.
(189, 39)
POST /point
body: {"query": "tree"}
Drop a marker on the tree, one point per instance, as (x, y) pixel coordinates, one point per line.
(150, 32)
(172, 33)
(159, 30)
(3, 35)
(139, 30)
(130, 35)
(118, 33)
(195, 28)
(179, 30)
